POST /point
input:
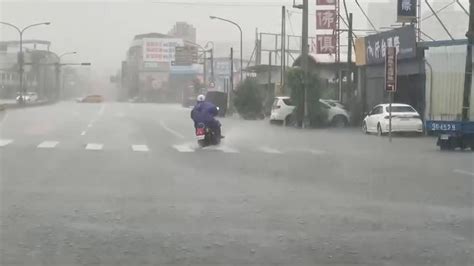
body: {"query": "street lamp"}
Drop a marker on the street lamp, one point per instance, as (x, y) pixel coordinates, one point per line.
(20, 58)
(240, 29)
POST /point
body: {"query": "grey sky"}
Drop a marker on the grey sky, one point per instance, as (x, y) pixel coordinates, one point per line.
(100, 31)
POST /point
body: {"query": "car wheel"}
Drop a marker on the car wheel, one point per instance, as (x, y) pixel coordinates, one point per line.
(339, 121)
(289, 121)
(364, 128)
(379, 130)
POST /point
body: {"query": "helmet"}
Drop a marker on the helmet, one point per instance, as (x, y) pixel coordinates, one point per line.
(201, 98)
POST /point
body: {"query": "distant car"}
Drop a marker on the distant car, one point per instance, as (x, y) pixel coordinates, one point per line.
(91, 99)
(29, 97)
(404, 119)
(282, 110)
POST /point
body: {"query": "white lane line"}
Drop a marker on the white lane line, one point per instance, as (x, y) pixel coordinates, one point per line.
(463, 172)
(172, 131)
(269, 150)
(94, 146)
(141, 148)
(83, 133)
(48, 144)
(5, 142)
(183, 148)
(90, 125)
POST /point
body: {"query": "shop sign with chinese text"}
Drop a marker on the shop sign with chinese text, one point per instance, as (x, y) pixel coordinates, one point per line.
(403, 39)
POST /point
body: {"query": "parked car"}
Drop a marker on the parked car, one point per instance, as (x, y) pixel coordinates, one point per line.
(404, 119)
(282, 110)
(91, 99)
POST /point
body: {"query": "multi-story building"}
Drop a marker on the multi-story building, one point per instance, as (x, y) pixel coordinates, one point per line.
(184, 31)
(39, 73)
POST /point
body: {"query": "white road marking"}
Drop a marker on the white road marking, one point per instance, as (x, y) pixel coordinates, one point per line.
(317, 152)
(48, 144)
(172, 131)
(269, 150)
(183, 148)
(83, 133)
(463, 172)
(94, 146)
(5, 142)
(102, 109)
(142, 148)
(90, 125)
(222, 148)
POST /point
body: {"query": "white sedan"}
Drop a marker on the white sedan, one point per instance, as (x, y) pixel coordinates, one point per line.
(404, 119)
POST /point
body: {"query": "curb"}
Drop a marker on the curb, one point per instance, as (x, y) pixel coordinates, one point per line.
(6, 106)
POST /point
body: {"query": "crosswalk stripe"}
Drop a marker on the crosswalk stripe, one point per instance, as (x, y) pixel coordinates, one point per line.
(48, 144)
(183, 148)
(270, 150)
(5, 142)
(94, 146)
(141, 148)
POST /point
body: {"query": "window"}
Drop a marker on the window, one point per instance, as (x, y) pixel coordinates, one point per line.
(401, 109)
(377, 110)
(288, 102)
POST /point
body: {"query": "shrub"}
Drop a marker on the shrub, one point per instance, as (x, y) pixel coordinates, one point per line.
(247, 99)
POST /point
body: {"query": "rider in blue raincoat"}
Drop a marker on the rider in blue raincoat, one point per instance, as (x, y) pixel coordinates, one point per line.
(205, 112)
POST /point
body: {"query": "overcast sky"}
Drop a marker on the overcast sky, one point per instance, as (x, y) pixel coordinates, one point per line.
(101, 31)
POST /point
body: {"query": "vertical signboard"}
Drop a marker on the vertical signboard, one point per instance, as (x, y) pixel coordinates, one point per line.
(327, 22)
(391, 69)
(325, 2)
(325, 44)
(406, 10)
(326, 19)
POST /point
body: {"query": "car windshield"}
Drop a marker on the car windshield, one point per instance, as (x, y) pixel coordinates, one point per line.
(236, 132)
(401, 109)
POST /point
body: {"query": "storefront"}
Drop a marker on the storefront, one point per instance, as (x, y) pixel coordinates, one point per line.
(370, 54)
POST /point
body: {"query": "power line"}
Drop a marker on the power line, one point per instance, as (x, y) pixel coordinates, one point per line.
(365, 15)
(222, 4)
(439, 10)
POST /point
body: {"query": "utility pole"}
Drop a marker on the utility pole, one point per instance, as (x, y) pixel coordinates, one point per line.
(269, 82)
(212, 66)
(231, 90)
(468, 72)
(204, 68)
(349, 61)
(283, 49)
(304, 60)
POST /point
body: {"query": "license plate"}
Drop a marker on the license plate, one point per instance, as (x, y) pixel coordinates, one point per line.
(200, 137)
(444, 137)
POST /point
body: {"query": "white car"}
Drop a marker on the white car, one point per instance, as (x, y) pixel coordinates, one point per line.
(29, 97)
(404, 119)
(282, 110)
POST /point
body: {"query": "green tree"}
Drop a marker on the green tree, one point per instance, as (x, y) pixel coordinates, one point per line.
(295, 81)
(247, 99)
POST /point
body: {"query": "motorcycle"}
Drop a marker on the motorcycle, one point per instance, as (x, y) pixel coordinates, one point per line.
(206, 136)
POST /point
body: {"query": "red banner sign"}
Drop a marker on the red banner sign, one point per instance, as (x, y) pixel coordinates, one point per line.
(325, 44)
(325, 2)
(326, 19)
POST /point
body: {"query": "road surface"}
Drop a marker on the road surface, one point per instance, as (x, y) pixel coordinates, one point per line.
(125, 184)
